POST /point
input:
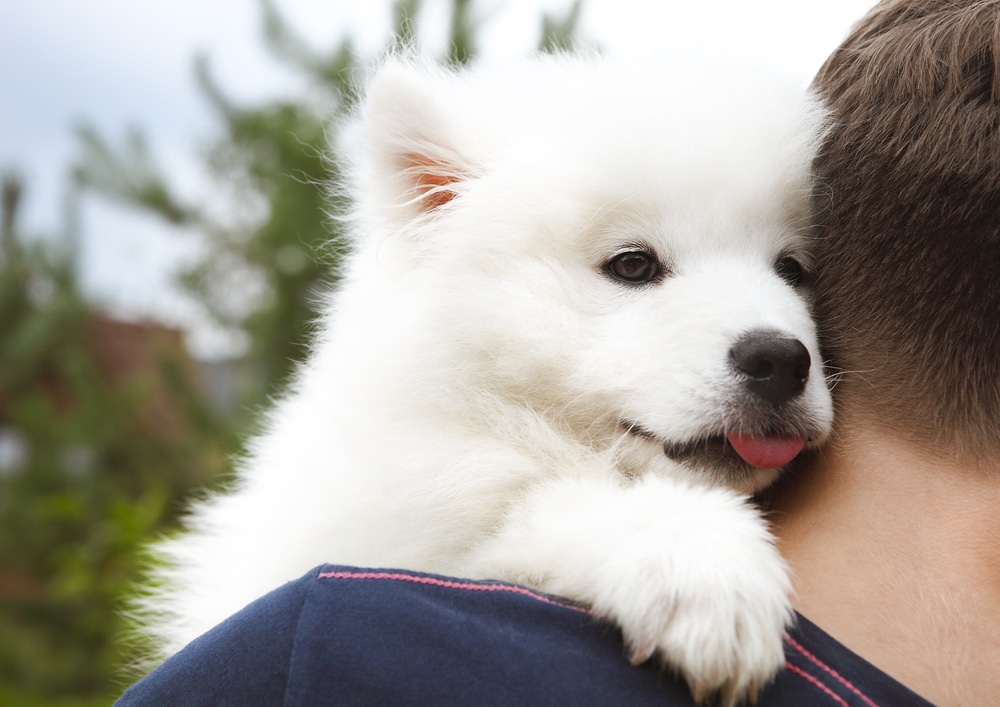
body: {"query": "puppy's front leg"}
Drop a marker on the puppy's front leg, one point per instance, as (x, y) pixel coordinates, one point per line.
(690, 574)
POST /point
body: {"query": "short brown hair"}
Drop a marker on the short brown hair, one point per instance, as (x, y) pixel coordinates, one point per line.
(908, 203)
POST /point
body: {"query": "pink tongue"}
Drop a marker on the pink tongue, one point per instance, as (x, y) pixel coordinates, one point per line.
(765, 452)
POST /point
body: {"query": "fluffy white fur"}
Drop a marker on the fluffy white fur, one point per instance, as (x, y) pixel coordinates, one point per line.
(462, 410)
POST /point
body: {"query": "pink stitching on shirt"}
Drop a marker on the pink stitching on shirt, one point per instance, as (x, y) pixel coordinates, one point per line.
(830, 693)
(450, 584)
(843, 681)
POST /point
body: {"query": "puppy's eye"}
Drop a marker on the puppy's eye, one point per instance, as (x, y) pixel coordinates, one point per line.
(791, 271)
(634, 266)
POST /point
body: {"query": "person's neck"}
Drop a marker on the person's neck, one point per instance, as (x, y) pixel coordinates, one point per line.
(897, 556)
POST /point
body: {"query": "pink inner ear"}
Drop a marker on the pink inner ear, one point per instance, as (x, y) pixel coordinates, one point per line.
(431, 180)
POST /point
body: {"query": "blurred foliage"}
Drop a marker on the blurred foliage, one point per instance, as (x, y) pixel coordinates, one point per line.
(90, 468)
(100, 469)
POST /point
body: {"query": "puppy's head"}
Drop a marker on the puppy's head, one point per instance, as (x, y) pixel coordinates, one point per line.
(622, 250)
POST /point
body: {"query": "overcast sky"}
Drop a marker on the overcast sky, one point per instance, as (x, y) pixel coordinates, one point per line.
(121, 63)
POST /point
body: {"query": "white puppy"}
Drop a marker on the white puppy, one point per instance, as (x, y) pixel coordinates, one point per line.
(572, 334)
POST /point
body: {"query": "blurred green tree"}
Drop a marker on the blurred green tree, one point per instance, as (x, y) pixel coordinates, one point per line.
(102, 428)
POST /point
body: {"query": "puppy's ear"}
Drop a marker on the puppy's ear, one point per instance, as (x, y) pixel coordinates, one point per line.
(416, 158)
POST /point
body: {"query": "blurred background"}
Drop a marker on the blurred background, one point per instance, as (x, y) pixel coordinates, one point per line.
(165, 236)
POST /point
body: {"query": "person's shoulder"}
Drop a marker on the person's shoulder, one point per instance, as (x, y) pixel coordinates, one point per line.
(355, 636)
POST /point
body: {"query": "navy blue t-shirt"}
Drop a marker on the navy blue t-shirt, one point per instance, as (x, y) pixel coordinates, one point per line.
(348, 636)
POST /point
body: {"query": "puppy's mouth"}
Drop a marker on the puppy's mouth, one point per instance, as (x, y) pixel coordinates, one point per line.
(733, 450)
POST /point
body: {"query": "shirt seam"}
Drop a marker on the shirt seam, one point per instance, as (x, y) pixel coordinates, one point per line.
(817, 683)
(826, 668)
(450, 584)
(295, 644)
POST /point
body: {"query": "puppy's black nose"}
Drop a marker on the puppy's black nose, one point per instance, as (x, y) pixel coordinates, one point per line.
(775, 366)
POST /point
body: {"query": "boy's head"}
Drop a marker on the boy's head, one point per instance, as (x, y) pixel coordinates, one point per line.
(909, 207)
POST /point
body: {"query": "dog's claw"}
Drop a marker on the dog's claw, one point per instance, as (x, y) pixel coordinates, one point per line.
(640, 654)
(725, 695)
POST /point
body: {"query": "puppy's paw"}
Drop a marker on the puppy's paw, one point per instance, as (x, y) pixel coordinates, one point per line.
(690, 574)
(714, 613)
(725, 643)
